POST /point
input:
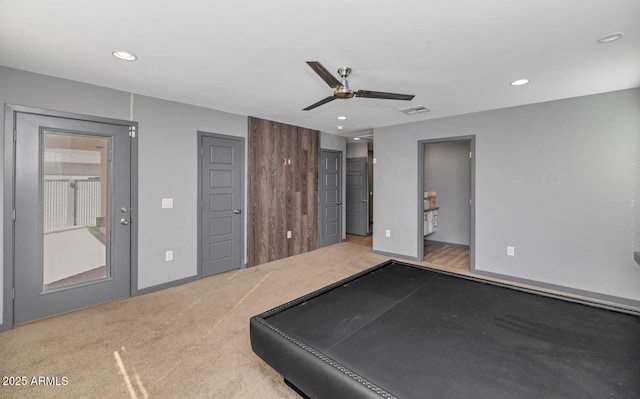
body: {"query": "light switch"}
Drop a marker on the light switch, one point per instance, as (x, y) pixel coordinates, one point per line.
(167, 203)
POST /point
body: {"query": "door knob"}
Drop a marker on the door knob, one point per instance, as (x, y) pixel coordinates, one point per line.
(124, 221)
(237, 211)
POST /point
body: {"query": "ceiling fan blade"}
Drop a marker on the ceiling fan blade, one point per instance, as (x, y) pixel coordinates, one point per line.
(383, 95)
(319, 103)
(324, 74)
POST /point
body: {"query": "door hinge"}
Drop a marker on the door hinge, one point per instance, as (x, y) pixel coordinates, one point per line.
(15, 134)
(469, 201)
(13, 293)
(13, 214)
(470, 155)
(201, 151)
(132, 131)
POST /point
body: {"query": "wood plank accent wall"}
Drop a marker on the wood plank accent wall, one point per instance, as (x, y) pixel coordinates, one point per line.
(283, 196)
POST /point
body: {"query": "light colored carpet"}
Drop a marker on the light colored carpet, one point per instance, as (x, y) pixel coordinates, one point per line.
(190, 341)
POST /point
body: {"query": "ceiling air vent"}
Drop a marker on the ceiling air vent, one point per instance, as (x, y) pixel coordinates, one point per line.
(417, 109)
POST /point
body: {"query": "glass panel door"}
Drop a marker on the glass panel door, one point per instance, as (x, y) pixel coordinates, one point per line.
(72, 204)
(76, 230)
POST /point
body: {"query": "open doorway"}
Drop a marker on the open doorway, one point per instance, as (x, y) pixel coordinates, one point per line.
(446, 205)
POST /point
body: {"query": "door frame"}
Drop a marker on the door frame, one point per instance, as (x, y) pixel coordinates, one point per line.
(10, 111)
(341, 175)
(420, 200)
(243, 188)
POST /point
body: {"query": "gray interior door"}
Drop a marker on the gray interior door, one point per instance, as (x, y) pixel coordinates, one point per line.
(72, 203)
(330, 222)
(357, 196)
(221, 204)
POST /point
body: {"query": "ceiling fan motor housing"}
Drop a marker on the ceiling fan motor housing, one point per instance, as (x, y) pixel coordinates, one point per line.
(343, 92)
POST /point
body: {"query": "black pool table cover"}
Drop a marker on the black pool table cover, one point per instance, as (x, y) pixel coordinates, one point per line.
(399, 330)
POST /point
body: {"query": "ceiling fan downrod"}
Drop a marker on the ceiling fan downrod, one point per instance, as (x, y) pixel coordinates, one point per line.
(343, 91)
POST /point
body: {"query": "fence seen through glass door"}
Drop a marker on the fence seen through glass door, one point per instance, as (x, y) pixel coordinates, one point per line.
(74, 187)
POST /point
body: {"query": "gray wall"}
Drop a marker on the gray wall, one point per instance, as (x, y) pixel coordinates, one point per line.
(447, 171)
(358, 150)
(167, 161)
(557, 180)
(168, 168)
(334, 142)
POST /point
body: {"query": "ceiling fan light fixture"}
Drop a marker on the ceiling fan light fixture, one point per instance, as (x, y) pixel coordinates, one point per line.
(124, 55)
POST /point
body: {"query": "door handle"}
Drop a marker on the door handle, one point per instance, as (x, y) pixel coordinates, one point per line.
(237, 211)
(124, 221)
(339, 202)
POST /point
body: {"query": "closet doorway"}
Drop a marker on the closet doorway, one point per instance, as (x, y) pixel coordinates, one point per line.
(446, 202)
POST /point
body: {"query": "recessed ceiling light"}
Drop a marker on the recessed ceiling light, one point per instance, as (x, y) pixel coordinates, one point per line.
(341, 117)
(124, 55)
(356, 138)
(611, 37)
(340, 127)
(519, 82)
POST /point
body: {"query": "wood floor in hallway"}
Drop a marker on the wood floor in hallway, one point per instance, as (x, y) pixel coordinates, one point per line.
(445, 255)
(435, 255)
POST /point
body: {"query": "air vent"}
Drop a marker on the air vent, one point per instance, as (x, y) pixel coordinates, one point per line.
(417, 109)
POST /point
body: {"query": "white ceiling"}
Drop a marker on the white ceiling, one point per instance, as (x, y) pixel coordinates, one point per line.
(248, 56)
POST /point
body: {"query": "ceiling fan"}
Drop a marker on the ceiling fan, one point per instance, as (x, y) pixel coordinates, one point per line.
(342, 90)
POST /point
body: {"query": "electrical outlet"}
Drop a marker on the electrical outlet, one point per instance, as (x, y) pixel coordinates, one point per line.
(168, 255)
(289, 234)
(511, 251)
(387, 233)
